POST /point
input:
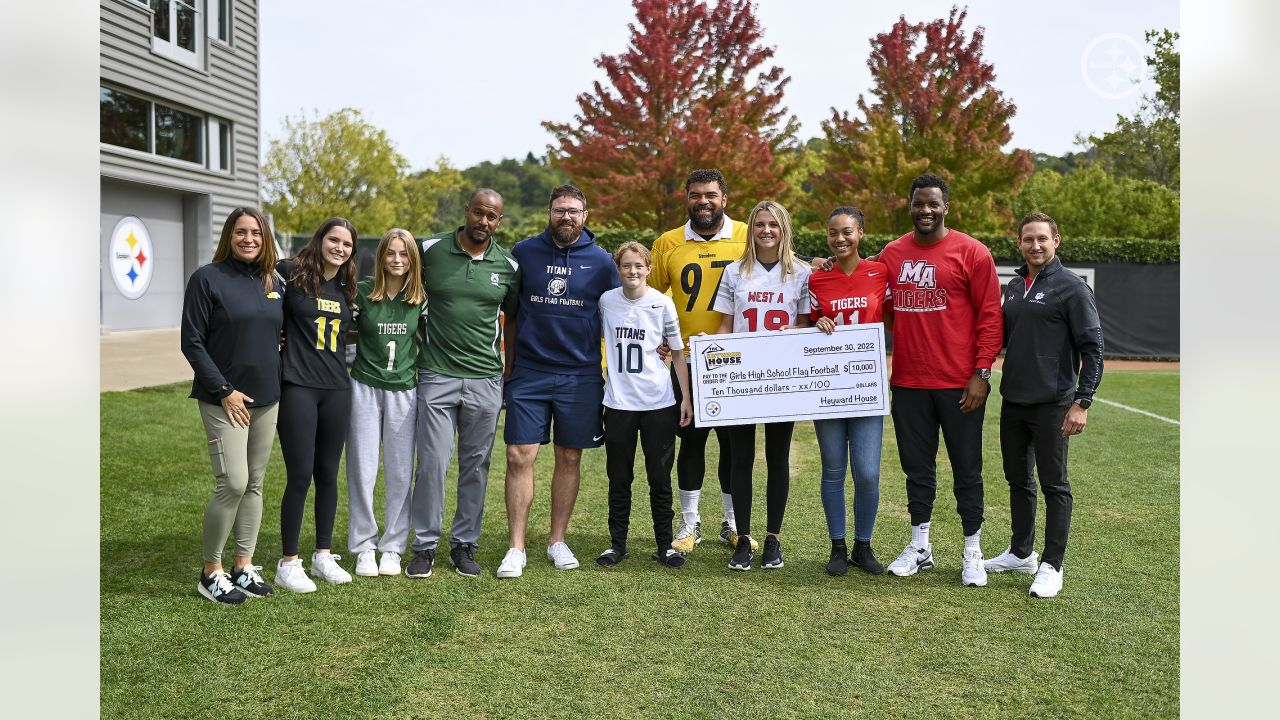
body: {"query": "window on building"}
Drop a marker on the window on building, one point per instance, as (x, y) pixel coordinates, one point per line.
(220, 20)
(219, 144)
(125, 120)
(179, 134)
(176, 30)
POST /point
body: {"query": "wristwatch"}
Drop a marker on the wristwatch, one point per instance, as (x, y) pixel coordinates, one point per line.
(984, 373)
(1084, 402)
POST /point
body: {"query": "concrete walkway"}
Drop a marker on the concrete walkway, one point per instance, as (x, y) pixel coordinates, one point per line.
(141, 358)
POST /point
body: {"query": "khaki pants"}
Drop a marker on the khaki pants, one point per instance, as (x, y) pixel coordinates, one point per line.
(239, 458)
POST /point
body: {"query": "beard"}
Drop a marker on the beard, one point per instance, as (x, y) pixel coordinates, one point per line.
(566, 232)
(709, 224)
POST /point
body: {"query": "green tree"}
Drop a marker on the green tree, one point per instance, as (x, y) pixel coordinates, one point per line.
(335, 165)
(1147, 146)
(434, 199)
(1089, 202)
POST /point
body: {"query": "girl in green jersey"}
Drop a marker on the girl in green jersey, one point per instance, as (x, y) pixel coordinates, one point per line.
(383, 402)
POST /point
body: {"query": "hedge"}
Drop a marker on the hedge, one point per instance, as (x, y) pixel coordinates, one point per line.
(813, 242)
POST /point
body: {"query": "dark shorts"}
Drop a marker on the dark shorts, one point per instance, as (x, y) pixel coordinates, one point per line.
(572, 403)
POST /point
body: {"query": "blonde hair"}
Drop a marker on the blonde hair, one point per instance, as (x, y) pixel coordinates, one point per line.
(785, 254)
(413, 292)
(632, 246)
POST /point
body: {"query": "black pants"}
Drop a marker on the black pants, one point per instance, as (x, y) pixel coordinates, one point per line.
(313, 428)
(656, 429)
(777, 454)
(917, 416)
(691, 461)
(1031, 439)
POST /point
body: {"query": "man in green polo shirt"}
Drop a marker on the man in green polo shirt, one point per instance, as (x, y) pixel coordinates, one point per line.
(468, 279)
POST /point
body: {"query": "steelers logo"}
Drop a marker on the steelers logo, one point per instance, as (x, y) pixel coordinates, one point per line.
(557, 286)
(129, 257)
(713, 408)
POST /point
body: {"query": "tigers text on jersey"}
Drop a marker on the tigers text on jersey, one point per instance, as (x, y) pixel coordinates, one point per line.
(762, 300)
(314, 327)
(386, 341)
(690, 267)
(850, 299)
(633, 330)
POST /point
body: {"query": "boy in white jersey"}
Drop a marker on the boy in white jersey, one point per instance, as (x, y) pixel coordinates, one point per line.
(639, 400)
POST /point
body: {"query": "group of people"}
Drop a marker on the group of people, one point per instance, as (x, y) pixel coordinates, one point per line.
(452, 328)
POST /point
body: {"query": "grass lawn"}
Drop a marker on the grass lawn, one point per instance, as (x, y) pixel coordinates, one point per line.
(640, 640)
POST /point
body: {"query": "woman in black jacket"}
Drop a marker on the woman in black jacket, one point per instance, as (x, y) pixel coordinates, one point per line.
(232, 314)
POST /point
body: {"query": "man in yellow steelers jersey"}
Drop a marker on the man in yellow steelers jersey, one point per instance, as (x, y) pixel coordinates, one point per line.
(688, 261)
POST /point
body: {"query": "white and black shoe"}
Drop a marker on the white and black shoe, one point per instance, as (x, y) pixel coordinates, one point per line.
(771, 558)
(217, 587)
(1048, 582)
(742, 555)
(911, 560)
(670, 557)
(249, 582)
(611, 556)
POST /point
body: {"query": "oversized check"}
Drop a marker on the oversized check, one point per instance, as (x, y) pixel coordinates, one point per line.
(745, 378)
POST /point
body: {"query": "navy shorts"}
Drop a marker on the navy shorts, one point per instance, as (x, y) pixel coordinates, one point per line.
(572, 403)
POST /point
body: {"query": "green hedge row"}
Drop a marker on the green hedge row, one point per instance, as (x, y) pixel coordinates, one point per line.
(813, 242)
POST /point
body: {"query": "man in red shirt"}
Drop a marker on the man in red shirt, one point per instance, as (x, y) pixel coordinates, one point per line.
(947, 332)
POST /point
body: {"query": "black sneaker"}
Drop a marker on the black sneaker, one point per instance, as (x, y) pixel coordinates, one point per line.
(420, 565)
(218, 588)
(771, 558)
(249, 582)
(863, 558)
(838, 565)
(670, 558)
(463, 557)
(742, 554)
(611, 557)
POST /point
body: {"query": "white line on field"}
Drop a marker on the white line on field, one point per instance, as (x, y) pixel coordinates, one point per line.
(1134, 409)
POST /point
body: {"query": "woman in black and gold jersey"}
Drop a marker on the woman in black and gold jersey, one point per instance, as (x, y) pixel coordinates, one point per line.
(315, 402)
(384, 380)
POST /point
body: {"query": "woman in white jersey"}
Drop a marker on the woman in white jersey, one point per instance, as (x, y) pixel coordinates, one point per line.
(635, 319)
(766, 290)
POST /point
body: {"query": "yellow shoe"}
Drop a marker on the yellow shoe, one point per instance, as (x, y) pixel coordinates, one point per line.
(686, 536)
(730, 538)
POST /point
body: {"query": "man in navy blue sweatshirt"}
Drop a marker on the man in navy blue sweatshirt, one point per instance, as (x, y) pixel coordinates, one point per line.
(553, 373)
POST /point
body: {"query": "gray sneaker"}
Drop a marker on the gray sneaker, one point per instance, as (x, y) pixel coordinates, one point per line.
(463, 558)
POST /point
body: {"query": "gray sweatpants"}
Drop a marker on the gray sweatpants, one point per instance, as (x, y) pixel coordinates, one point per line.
(386, 418)
(239, 458)
(449, 406)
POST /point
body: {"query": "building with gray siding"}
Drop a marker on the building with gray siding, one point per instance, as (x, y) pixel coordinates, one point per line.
(179, 146)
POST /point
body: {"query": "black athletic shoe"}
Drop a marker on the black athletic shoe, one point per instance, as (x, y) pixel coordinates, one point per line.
(421, 564)
(611, 557)
(463, 558)
(218, 588)
(670, 558)
(742, 554)
(250, 582)
(838, 565)
(864, 559)
(771, 558)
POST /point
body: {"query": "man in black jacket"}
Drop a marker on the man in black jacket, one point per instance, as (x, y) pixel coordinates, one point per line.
(1052, 367)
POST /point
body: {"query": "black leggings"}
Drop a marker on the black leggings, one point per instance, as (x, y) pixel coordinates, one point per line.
(777, 455)
(691, 460)
(313, 429)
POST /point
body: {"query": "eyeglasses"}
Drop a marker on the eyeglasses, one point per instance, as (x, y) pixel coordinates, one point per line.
(571, 212)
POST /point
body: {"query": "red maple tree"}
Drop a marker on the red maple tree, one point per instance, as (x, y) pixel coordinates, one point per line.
(935, 109)
(689, 92)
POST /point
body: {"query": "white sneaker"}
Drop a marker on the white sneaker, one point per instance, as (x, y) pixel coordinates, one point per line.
(366, 566)
(687, 536)
(562, 556)
(390, 564)
(973, 573)
(1048, 582)
(512, 565)
(291, 576)
(1008, 562)
(912, 559)
(325, 566)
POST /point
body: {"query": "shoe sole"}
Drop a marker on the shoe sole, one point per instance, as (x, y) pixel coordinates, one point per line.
(1041, 597)
(420, 575)
(295, 592)
(740, 568)
(339, 581)
(507, 574)
(204, 593)
(465, 574)
(974, 583)
(771, 566)
(251, 593)
(841, 573)
(393, 573)
(375, 573)
(611, 560)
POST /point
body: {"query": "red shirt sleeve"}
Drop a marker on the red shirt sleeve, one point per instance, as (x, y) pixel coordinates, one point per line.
(984, 293)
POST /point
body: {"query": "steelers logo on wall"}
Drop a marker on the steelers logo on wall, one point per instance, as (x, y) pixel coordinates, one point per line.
(129, 257)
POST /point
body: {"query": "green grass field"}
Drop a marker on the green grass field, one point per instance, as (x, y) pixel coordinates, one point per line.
(640, 640)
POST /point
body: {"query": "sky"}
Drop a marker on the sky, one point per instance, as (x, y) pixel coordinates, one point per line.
(473, 81)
